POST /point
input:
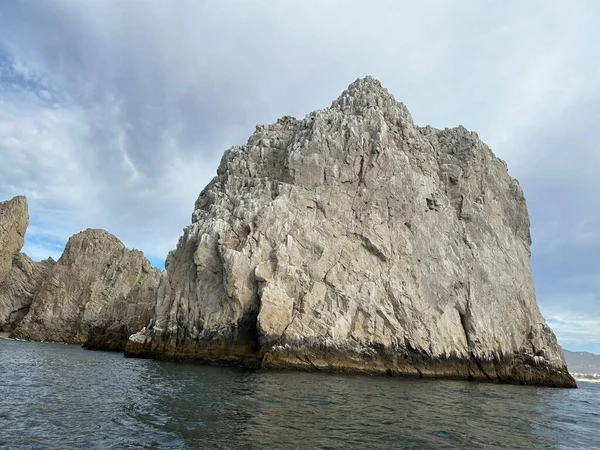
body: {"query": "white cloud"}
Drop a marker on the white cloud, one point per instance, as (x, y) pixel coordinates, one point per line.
(575, 329)
(41, 158)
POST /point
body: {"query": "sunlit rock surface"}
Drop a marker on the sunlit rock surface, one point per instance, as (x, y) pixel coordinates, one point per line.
(353, 240)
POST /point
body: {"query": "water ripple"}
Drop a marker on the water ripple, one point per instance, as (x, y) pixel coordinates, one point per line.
(56, 396)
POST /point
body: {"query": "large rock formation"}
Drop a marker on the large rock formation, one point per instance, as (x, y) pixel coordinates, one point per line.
(14, 219)
(353, 240)
(19, 275)
(19, 288)
(97, 294)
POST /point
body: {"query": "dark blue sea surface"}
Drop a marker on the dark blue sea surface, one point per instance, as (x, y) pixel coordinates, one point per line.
(60, 397)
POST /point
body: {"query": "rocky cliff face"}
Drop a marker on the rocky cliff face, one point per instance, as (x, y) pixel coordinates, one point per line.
(353, 240)
(19, 288)
(19, 275)
(14, 219)
(97, 294)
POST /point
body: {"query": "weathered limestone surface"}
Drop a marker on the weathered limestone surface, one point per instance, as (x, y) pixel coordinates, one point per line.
(354, 240)
(14, 219)
(97, 294)
(19, 287)
(19, 275)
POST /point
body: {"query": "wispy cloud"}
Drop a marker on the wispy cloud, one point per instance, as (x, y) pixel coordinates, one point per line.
(580, 323)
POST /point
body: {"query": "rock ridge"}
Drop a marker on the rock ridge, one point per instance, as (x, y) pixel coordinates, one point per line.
(96, 294)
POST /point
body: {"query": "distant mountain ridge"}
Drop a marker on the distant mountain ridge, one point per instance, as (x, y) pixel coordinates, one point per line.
(582, 362)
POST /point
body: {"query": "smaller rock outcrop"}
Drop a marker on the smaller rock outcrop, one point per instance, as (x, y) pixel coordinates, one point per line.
(97, 294)
(19, 288)
(19, 275)
(14, 219)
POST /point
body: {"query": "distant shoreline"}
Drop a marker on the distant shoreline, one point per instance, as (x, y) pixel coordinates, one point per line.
(590, 378)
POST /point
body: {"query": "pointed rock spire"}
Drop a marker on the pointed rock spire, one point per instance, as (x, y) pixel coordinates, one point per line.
(366, 95)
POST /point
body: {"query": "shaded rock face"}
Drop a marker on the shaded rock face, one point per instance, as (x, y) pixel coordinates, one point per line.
(14, 220)
(19, 275)
(97, 294)
(19, 288)
(353, 240)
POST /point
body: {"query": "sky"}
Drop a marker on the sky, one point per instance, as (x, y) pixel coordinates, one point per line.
(115, 115)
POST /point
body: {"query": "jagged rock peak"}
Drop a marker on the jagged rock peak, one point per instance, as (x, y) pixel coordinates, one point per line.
(367, 94)
(366, 86)
(89, 241)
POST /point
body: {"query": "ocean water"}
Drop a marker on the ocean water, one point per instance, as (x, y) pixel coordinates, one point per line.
(60, 397)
